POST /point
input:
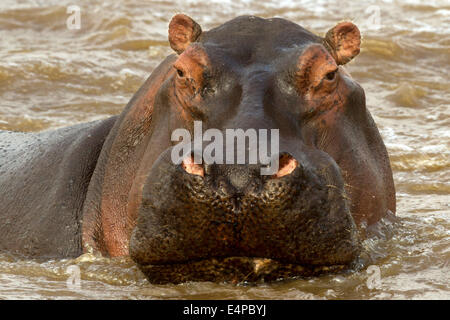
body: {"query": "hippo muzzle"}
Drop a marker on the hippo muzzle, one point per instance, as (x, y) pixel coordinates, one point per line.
(231, 223)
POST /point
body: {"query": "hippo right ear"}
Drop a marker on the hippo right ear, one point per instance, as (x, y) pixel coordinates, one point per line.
(343, 42)
(183, 30)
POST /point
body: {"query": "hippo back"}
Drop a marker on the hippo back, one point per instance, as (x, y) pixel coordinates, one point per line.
(43, 182)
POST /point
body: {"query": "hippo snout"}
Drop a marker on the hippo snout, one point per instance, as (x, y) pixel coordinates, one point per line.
(229, 222)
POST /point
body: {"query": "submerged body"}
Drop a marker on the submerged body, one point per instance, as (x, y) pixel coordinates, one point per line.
(111, 186)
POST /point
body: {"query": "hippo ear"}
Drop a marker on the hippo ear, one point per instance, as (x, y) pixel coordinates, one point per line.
(183, 30)
(343, 41)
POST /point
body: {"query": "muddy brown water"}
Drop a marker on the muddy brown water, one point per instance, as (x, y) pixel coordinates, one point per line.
(51, 76)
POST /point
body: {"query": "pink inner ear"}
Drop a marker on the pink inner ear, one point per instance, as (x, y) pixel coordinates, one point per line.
(343, 42)
(183, 30)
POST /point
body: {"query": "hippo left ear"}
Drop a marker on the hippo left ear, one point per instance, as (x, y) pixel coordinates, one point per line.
(183, 30)
(343, 42)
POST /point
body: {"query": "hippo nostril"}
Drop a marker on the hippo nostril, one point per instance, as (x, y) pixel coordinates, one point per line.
(193, 168)
(287, 165)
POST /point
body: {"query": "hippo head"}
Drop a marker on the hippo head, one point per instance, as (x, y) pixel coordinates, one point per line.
(199, 220)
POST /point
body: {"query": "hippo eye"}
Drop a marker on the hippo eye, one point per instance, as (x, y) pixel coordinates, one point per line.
(331, 75)
(180, 73)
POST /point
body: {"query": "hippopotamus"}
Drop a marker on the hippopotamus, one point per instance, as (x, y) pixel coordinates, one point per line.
(111, 187)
